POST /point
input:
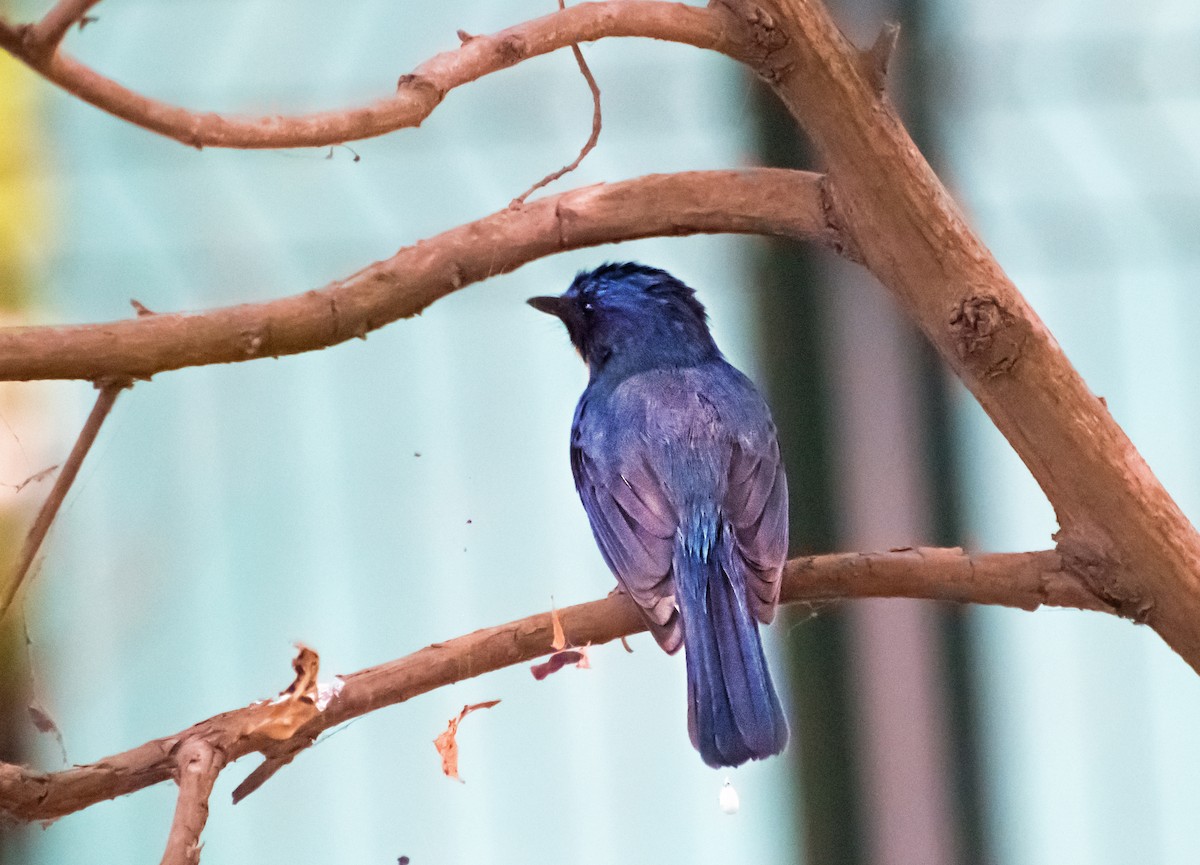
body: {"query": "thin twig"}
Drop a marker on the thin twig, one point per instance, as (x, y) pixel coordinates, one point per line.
(1025, 580)
(590, 144)
(41, 525)
(265, 771)
(48, 33)
(198, 764)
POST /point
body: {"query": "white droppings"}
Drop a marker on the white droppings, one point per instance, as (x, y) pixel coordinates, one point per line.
(729, 800)
(326, 691)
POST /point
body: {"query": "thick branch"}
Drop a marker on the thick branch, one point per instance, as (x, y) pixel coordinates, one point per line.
(416, 95)
(1024, 580)
(760, 201)
(58, 493)
(198, 764)
(1119, 526)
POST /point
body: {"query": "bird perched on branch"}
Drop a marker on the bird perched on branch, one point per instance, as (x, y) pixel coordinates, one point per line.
(676, 460)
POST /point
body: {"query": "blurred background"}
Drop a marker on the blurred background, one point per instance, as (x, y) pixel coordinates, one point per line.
(385, 494)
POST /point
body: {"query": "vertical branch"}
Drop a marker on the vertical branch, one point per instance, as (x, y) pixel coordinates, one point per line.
(41, 525)
(197, 765)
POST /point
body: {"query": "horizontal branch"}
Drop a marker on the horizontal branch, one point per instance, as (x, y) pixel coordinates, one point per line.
(1024, 580)
(758, 201)
(417, 94)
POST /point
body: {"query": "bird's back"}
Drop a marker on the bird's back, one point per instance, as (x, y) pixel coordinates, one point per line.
(685, 421)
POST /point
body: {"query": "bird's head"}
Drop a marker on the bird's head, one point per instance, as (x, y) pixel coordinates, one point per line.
(632, 317)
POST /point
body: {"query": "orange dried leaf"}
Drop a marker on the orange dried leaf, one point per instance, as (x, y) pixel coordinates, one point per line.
(307, 665)
(447, 741)
(559, 641)
(296, 705)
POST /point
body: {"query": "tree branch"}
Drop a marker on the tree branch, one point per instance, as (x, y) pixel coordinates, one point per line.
(44, 37)
(58, 493)
(760, 201)
(1024, 580)
(198, 764)
(417, 94)
(1120, 528)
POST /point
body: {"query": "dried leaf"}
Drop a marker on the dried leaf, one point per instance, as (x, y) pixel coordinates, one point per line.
(447, 741)
(33, 478)
(42, 720)
(578, 657)
(559, 642)
(45, 724)
(306, 664)
(295, 706)
(564, 653)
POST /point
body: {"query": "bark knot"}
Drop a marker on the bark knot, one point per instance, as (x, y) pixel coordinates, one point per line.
(835, 232)
(512, 49)
(986, 335)
(422, 86)
(763, 39)
(1100, 573)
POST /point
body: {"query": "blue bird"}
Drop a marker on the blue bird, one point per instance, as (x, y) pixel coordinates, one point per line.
(676, 460)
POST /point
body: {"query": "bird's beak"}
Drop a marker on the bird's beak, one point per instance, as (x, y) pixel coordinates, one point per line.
(559, 307)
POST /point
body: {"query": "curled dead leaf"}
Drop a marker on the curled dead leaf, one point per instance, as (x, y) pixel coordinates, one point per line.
(564, 652)
(578, 657)
(44, 723)
(559, 640)
(447, 741)
(295, 706)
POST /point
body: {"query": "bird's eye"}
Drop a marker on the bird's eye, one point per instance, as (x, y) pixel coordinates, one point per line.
(588, 307)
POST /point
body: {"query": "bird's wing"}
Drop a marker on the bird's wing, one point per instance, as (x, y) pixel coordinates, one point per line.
(634, 525)
(756, 504)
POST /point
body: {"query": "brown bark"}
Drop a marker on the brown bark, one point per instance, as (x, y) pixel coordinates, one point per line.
(1024, 580)
(1124, 546)
(758, 201)
(44, 37)
(1120, 530)
(417, 94)
(197, 765)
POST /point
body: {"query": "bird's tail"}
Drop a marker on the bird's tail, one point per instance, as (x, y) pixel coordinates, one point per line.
(733, 712)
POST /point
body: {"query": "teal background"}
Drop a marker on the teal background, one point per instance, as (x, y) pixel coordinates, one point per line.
(381, 495)
(378, 496)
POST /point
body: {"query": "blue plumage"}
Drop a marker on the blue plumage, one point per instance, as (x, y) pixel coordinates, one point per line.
(676, 461)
